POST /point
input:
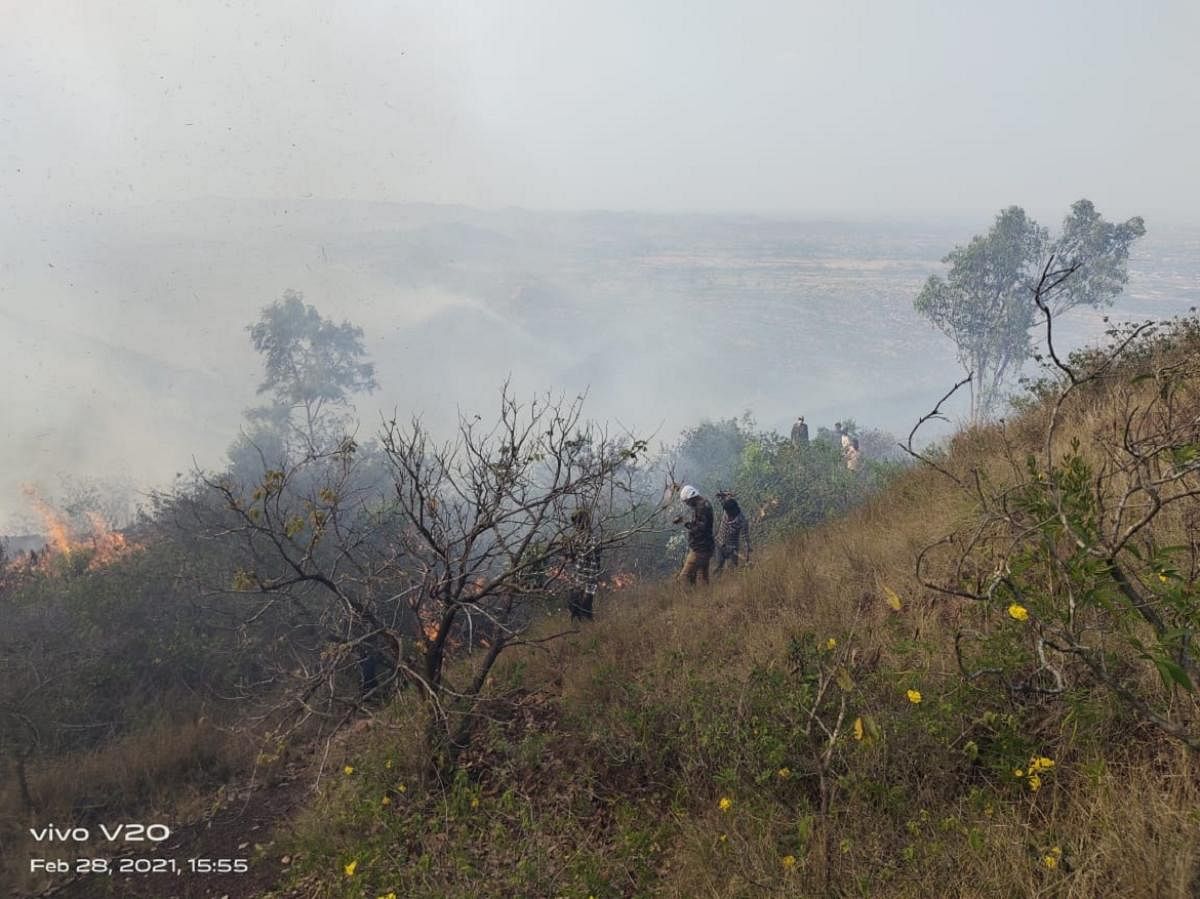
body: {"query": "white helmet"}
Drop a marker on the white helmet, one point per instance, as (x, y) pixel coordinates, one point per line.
(688, 492)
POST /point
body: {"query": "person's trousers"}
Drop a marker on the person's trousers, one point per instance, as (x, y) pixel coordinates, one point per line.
(695, 565)
(726, 554)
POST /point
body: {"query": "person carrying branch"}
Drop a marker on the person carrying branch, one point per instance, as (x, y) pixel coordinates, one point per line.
(700, 535)
(584, 554)
(734, 530)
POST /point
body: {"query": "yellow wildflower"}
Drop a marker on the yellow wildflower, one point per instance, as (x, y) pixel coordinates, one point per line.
(400, 788)
(348, 770)
(1050, 859)
(1018, 612)
(1017, 772)
(349, 869)
(893, 599)
(1040, 763)
(386, 800)
(725, 804)
(785, 773)
(789, 862)
(914, 696)
(474, 803)
(1163, 578)
(388, 763)
(723, 838)
(858, 729)
(1035, 782)
(831, 643)
(389, 895)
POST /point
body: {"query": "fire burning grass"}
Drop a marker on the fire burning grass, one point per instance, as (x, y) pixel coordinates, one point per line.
(99, 547)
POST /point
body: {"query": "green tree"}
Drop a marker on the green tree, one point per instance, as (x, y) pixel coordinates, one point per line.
(985, 302)
(313, 367)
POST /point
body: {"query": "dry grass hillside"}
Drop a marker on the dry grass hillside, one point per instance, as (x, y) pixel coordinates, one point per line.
(805, 727)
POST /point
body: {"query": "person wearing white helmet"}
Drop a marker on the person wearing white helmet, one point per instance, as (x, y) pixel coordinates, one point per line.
(700, 535)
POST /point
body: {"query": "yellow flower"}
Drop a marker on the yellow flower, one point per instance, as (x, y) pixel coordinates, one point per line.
(1050, 859)
(831, 643)
(858, 729)
(1018, 612)
(1040, 763)
(388, 763)
(914, 696)
(389, 895)
(785, 773)
(349, 869)
(1017, 772)
(474, 803)
(1035, 782)
(386, 800)
(400, 788)
(893, 599)
(723, 838)
(789, 862)
(725, 804)
(348, 770)
(1163, 578)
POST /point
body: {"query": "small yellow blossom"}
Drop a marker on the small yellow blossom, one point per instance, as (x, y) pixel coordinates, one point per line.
(388, 895)
(785, 773)
(388, 763)
(349, 869)
(789, 862)
(914, 696)
(1017, 772)
(725, 804)
(1035, 782)
(474, 803)
(1018, 612)
(1163, 578)
(723, 838)
(831, 643)
(400, 788)
(1050, 859)
(1040, 763)
(893, 598)
(858, 729)
(386, 800)
(348, 770)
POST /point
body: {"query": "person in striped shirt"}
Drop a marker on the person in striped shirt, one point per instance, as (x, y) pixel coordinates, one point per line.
(733, 530)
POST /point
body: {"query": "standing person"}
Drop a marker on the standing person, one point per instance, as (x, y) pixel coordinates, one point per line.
(852, 454)
(799, 434)
(839, 434)
(583, 551)
(699, 535)
(735, 528)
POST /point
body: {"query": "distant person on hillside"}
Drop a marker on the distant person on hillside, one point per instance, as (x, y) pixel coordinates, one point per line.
(799, 438)
(839, 433)
(852, 455)
(734, 529)
(699, 535)
(583, 553)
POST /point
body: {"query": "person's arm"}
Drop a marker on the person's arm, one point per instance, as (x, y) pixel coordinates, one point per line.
(746, 533)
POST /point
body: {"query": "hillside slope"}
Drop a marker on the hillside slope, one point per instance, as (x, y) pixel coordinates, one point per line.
(803, 727)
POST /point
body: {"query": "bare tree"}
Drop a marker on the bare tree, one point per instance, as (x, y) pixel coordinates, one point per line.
(422, 553)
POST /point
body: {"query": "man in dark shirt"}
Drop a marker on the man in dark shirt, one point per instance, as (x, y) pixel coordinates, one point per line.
(700, 535)
(800, 433)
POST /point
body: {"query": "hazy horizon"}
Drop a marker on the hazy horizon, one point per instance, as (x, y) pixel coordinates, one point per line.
(578, 195)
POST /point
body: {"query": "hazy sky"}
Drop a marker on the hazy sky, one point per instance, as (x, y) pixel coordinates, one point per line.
(859, 107)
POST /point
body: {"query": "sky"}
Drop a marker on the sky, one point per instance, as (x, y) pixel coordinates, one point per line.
(796, 108)
(131, 130)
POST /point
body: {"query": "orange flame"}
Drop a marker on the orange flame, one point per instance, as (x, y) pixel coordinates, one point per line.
(622, 580)
(105, 544)
(58, 530)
